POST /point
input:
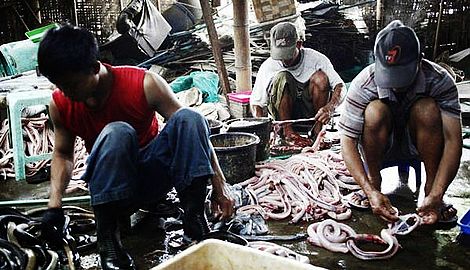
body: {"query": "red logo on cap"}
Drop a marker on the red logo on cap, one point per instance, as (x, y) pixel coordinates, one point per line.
(392, 55)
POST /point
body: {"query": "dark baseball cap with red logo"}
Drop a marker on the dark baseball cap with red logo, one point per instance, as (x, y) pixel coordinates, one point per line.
(397, 55)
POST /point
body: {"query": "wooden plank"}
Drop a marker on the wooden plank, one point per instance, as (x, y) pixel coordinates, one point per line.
(214, 39)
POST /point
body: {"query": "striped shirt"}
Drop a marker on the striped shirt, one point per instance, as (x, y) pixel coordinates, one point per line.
(432, 81)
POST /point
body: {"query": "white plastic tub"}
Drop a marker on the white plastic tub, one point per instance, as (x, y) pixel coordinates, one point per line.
(220, 255)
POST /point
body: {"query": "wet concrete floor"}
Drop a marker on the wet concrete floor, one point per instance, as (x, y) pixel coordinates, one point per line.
(424, 248)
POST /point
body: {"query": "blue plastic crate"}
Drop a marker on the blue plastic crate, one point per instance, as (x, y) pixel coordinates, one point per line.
(464, 223)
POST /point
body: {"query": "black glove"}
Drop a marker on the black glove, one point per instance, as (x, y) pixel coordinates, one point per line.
(53, 221)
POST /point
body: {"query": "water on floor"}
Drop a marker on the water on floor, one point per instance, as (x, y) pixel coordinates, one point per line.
(424, 248)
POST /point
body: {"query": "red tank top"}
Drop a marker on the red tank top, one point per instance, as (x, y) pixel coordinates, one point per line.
(126, 103)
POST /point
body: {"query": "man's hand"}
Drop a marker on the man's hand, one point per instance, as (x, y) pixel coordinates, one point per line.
(429, 210)
(382, 207)
(53, 221)
(295, 139)
(324, 114)
(222, 204)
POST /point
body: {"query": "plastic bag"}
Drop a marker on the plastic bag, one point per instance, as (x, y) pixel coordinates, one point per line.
(207, 82)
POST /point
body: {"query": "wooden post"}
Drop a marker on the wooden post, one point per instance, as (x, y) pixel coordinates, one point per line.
(378, 15)
(436, 40)
(242, 45)
(34, 9)
(219, 60)
(159, 5)
(74, 11)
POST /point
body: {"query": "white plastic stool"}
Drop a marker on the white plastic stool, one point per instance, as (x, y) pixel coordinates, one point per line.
(17, 102)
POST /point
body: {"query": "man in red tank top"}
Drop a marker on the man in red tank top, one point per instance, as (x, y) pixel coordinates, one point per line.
(113, 110)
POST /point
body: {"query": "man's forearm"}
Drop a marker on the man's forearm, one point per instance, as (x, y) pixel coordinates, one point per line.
(449, 163)
(61, 171)
(353, 162)
(218, 180)
(336, 97)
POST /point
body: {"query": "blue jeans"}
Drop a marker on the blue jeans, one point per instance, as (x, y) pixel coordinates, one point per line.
(118, 170)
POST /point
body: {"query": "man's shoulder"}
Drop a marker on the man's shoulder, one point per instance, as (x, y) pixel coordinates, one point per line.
(311, 53)
(125, 69)
(268, 62)
(269, 65)
(128, 74)
(434, 71)
(365, 78)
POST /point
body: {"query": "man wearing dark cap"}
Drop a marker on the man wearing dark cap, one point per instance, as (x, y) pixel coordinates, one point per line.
(295, 82)
(402, 107)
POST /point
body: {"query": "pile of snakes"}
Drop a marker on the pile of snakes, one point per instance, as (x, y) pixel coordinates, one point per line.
(310, 187)
(304, 187)
(27, 243)
(38, 138)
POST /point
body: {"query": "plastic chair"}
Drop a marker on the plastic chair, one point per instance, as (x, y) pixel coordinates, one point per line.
(17, 102)
(404, 168)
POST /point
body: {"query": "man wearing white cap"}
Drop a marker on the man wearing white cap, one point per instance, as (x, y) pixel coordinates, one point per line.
(403, 106)
(295, 82)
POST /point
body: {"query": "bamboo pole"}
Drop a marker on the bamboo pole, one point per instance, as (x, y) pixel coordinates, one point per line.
(242, 45)
(378, 15)
(74, 11)
(43, 201)
(436, 40)
(214, 39)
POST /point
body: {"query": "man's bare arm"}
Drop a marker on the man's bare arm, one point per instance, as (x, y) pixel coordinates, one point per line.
(379, 203)
(159, 95)
(224, 204)
(446, 171)
(450, 161)
(62, 159)
(325, 113)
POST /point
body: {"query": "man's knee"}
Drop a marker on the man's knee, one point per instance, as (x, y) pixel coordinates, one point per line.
(119, 128)
(188, 114)
(319, 81)
(425, 112)
(377, 115)
(117, 133)
(190, 120)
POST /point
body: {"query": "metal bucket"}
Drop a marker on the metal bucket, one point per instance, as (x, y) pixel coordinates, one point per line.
(236, 152)
(261, 127)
